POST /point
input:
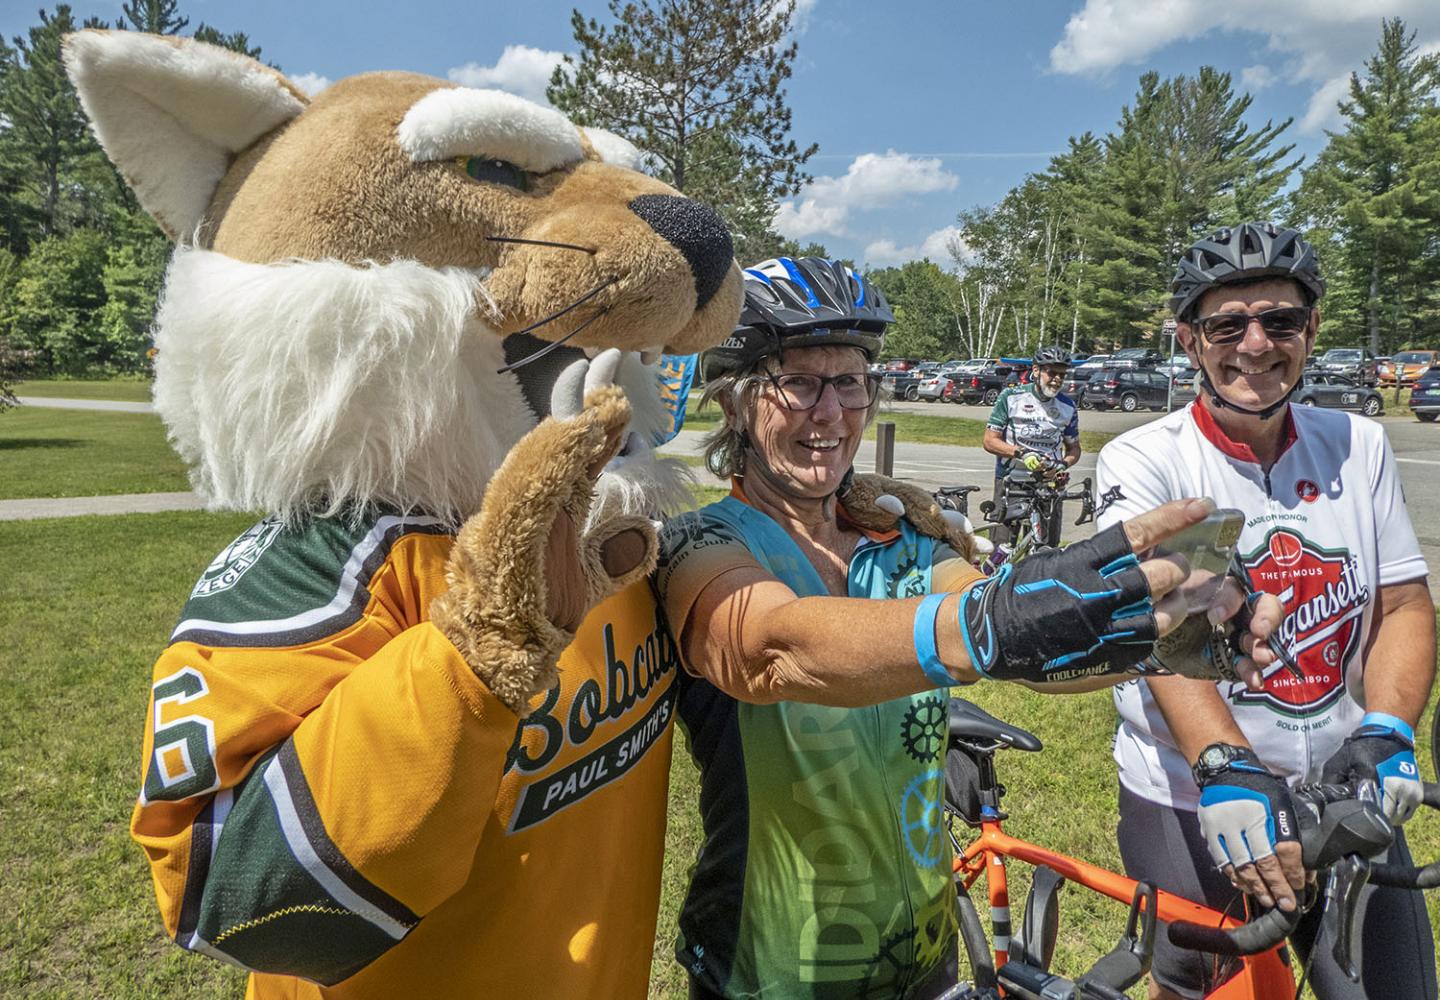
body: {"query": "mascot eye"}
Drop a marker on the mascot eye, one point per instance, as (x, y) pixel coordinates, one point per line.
(490, 171)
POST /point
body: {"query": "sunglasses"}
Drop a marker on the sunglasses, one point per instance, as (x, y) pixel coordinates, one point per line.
(1278, 324)
(853, 391)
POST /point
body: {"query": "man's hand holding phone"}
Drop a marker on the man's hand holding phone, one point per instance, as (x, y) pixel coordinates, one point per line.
(1219, 627)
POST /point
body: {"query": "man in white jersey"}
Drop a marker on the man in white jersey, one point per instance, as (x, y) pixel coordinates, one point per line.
(1205, 767)
(1034, 428)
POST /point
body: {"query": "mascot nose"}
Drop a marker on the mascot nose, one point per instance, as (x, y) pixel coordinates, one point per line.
(697, 232)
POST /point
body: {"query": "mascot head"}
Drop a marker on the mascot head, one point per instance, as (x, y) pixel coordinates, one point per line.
(376, 292)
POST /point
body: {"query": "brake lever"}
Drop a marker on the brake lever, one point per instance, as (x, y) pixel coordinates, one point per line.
(1347, 878)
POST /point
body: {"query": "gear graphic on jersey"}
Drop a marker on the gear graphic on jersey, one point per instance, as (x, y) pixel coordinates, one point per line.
(935, 929)
(886, 965)
(920, 812)
(924, 728)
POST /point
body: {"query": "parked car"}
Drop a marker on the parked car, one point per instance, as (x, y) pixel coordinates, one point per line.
(1184, 387)
(1357, 363)
(985, 385)
(935, 388)
(900, 384)
(1409, 366)
(1074, 384)
(1135, 357)
(1425, 396)
(1338, 392)
(1128, 388)
(1177, 363)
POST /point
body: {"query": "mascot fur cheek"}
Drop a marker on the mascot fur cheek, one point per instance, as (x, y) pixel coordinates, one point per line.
(423, 700)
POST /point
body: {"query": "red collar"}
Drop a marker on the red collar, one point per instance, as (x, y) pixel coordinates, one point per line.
(1237, 449)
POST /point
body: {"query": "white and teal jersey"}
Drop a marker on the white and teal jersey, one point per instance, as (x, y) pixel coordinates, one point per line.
(1034, 423)
(825, 871)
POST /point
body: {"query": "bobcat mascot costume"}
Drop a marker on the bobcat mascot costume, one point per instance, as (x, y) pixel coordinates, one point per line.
(411, 736)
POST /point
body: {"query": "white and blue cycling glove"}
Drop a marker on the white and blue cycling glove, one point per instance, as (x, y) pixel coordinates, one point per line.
(1245, 810)
(1382, 750)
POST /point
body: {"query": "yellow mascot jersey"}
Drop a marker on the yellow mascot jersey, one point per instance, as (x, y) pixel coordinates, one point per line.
(334, 801)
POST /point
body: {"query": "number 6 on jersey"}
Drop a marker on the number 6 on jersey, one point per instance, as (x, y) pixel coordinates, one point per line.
(182, 763)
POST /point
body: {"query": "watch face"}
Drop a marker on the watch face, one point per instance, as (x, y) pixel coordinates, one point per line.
(1214, 757)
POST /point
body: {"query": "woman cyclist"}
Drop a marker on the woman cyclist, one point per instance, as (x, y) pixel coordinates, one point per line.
(825, 871)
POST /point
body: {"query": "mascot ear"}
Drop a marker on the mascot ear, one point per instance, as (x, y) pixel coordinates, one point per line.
(172, 113)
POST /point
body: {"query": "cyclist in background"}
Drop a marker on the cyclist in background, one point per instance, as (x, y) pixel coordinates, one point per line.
(1034, 427)
(1205, 768)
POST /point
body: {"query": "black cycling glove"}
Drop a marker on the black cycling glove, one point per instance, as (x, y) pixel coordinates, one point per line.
(1382, 750)
(1061, 613)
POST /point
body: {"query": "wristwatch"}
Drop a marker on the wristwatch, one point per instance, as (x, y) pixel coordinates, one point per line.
(1217, 758)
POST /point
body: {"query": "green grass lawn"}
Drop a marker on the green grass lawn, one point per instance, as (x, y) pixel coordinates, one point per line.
(85, 605)
(129, 390)
(79, 453)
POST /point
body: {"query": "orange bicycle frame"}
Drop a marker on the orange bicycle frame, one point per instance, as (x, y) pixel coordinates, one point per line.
(1260, 977)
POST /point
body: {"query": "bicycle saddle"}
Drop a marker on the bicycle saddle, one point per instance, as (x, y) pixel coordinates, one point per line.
(969, 722)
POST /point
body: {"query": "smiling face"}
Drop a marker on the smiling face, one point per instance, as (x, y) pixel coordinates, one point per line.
(1049, 378)
(1256, 371)
(807, 452)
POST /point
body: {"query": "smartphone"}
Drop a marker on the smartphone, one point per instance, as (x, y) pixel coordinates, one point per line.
(1208, 547)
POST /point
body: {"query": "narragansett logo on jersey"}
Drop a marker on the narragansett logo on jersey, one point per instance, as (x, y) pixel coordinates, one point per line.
(1324, 600)
(230, 565)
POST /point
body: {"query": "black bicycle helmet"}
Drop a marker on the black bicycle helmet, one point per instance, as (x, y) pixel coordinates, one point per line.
(1244, 253)
(1055, 355)
(809, 302)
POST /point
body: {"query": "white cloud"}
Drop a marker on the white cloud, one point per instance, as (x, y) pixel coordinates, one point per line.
(1323, 111)
(521, 69)
(311, 83)
(872, 180)
(1318, 42)
(1257, 77)
(939, 247)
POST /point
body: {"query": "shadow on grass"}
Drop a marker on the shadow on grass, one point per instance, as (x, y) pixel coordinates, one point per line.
(21, 444)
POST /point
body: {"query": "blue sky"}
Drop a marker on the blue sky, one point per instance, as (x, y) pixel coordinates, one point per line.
(921, 107)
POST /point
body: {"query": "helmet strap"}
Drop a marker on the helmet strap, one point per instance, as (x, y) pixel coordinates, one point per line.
(1224, 404)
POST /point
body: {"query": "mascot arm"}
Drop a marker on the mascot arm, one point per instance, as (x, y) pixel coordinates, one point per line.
(310, 841)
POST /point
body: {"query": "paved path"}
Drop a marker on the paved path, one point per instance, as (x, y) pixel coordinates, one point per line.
(125, 503)
(113, 405)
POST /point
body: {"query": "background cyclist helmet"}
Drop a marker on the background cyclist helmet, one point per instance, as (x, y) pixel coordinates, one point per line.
(1249, 252)
(805, 302)
(1047, 357)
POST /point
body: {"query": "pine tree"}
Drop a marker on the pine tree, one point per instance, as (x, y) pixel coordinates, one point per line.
(1373, 198)
(158, 17)
(699, 86)
(44, 130)
(235, 41)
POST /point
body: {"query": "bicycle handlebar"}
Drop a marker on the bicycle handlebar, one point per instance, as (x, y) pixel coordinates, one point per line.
(1336, 830)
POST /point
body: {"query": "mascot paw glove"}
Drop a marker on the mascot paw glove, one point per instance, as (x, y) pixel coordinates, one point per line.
(878, 502)
(522, 574)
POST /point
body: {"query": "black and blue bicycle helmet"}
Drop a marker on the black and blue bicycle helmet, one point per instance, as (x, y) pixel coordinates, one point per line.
(804, 302)
(1244, 253)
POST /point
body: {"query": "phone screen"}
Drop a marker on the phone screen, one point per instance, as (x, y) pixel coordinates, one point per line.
(1208, 548)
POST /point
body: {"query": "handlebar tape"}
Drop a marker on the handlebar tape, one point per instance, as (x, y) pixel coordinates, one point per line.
(1261, 934)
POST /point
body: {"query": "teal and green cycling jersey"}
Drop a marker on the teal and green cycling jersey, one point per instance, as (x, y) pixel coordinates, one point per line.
(825, 870)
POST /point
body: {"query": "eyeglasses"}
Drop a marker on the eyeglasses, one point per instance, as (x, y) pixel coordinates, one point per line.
(853, 390)
(1278, 324)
